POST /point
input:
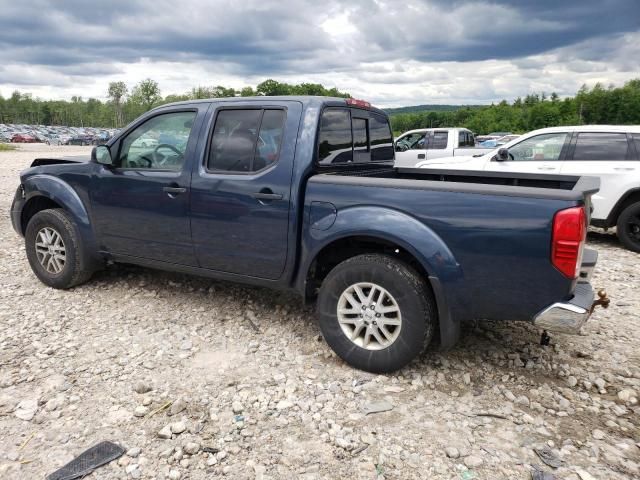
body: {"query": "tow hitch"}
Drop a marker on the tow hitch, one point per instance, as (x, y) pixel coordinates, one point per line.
(603, 300)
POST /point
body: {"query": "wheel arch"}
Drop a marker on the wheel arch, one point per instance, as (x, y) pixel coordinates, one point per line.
(630, 197)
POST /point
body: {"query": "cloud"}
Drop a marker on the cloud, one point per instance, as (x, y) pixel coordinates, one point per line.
(415, 51)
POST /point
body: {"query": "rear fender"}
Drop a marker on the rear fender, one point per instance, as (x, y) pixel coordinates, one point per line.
(413, 236)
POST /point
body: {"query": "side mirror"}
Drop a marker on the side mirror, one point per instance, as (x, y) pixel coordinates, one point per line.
(102, 155)
(503, 155)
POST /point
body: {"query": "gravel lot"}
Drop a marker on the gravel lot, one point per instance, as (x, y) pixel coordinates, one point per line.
(250, 390)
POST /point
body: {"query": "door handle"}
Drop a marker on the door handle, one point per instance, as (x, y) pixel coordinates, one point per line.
(421, 156)
(173, 191)
(546, 168)
(266, 195)
(624, 169)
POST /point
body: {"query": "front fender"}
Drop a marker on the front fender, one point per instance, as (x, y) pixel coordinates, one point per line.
(60, 192)
(63, 194)
(445, 273)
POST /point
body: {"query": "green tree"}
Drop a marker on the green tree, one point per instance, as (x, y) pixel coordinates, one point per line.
(117, 91)
(146, 93)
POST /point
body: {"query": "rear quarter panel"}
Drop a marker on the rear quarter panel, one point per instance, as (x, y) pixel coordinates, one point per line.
(491, 253)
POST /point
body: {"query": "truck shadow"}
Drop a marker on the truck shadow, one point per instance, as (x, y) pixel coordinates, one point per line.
(506, 349)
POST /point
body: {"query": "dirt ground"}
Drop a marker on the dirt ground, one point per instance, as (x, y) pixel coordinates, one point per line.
(242, 386)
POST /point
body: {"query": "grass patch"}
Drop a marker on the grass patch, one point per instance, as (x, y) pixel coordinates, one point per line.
(6, 147)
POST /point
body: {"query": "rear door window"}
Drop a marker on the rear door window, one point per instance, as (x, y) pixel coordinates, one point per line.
(246, 140)
(601, 146)
(439, 140)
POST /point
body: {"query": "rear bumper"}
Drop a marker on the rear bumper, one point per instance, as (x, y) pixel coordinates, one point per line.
(570, 316)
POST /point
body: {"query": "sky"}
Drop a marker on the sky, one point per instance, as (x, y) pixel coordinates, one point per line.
(390, 52)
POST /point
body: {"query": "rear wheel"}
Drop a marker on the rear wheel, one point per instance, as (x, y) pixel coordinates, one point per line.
(628, 227)
(54, 250)
(376, 312)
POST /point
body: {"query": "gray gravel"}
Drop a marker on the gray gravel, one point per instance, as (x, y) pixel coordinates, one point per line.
(172, 368)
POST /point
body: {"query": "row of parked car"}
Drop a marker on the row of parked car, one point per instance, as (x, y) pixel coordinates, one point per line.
(609, 152)
(54, 135)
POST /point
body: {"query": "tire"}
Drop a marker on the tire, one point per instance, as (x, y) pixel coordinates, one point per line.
(73, 269)
(404, 290)
(628, 227)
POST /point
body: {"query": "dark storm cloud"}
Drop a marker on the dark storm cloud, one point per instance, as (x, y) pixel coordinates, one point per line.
(275, 37)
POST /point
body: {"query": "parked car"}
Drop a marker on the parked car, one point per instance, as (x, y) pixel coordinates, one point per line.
(388, 255)
(23, 138)
(432, 143)
(609, 152)
(492, 136)
(81, 140)
(53, 140)
(497, 142)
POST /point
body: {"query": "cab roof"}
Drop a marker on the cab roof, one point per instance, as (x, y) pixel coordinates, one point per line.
(306, 100)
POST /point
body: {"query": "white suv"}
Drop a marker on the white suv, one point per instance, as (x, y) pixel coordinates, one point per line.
(609, 152)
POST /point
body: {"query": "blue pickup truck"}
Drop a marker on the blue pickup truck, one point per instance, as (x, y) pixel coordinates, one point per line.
(300, 193)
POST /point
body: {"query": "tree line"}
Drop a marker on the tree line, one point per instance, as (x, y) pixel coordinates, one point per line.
(596, 105)
(124, 104)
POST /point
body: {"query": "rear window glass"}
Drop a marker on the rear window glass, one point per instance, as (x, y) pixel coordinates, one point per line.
(439, 142)
(335, 143)
(601, 146)
(381, 138)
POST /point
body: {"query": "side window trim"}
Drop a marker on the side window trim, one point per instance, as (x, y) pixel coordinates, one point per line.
(134, 127)
(634, 150)
(204, 164)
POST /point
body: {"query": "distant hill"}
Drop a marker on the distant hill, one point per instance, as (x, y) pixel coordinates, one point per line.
(427, 108)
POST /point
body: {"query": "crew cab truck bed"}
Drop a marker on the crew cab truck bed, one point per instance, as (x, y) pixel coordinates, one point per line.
(300, 193)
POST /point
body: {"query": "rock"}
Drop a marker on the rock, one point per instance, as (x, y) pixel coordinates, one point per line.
(142, 387)
(174, 475)
(522, 400)
(572, 381)
(283, 405)
(191, 448)
(584, 475)
(178, 427)
(452, 452)
(466, 378)
(177, 407)
(165, 433)
(134, 452)
(140, 411)
(394, 389)
(26, 409)
(473, 461)
(598, 434)
(626, 395)
(509, 395)
(599, 383)
(377, 407)
(237, 407)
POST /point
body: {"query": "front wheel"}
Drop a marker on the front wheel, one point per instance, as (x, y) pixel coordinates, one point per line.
(376, 312)
(54, 250)
(628, 227)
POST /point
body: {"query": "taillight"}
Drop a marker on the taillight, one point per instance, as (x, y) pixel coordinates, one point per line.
(569, 235)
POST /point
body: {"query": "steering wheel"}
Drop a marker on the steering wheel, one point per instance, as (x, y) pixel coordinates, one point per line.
(156, 153)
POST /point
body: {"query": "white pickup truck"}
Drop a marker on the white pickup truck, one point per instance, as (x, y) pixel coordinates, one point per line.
(433, 143)
(606, 151)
